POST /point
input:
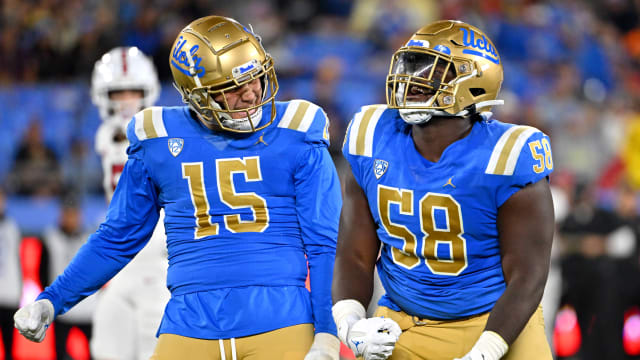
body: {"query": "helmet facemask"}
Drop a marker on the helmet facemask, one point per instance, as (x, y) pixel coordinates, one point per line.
(422, 83)
(212, 59)
(119, 111)
(446, 69)
(219, 115)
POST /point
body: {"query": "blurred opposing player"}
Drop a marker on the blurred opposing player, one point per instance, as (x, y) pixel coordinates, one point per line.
(250, 194)
(128, 315)
(460, 204)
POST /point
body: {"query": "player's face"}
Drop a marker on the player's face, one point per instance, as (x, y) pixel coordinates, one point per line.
(126, 102)
(422, 94)
(428, 73)
(250, 94)
(124, 95)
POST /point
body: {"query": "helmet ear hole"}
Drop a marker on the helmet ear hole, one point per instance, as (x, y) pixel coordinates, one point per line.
(477, 91)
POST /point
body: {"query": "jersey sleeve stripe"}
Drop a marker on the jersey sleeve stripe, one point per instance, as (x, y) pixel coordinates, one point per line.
(362, 131)
(307, 120)
(353, 133)
(149, 124)
(507, 150)
(371, 127)
(289, 113)
(149, 130)
(517, 149)
(139, 125)
(158, 122)
(325, 132)
(497, 149)
(296, 120)
(299, 115)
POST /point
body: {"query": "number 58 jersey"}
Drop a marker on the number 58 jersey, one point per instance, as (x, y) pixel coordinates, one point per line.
(440, 255)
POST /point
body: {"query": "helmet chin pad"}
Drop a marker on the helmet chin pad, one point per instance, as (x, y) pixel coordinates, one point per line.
(420, 115)
(226, 122)
(242, 124)
(415, 117)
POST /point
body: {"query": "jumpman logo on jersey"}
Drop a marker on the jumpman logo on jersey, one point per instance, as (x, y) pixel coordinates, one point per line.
(449, 183)
(356, 343)
(261, 140)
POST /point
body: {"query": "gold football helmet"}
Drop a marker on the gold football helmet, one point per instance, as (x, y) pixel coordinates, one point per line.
(447, 68)
(213, 56)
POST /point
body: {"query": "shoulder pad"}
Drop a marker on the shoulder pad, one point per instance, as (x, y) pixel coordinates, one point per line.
(508, 148)
(359, 136)
(147, 124)
(306, 117)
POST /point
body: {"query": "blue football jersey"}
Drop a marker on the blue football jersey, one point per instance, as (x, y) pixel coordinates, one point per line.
(243, 215)
(440, 255)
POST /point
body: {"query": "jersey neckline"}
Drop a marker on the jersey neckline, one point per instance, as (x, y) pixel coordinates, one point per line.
(448, 152)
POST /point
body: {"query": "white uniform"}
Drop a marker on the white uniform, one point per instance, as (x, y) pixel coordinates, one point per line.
(10, 274)
(131, 305)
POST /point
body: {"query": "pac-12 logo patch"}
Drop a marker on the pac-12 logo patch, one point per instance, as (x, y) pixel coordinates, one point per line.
(175, 146)
(380, 167)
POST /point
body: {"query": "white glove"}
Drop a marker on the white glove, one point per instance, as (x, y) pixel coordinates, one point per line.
(325, 347)
(472, 355)
(33, 320)
(373, 338)
(490, 346)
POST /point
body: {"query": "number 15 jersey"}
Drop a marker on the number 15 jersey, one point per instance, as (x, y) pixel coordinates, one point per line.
(440, 255)
(243, 215)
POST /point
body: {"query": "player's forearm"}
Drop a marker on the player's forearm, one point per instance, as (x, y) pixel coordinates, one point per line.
(352, 279)
(321, 259)
(516, 306)
(89, 270)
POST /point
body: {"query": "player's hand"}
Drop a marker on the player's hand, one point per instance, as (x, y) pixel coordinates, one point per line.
(33, 320)
(373, 338)
(325, 347)
(490, 346)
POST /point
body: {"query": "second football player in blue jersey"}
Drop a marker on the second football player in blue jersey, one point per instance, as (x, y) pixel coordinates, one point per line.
(458, 205)
(250, 195)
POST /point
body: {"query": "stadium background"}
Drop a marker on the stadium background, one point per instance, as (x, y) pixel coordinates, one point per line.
(572, 69)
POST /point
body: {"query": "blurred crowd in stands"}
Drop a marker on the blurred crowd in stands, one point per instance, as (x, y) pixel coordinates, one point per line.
(572, 69)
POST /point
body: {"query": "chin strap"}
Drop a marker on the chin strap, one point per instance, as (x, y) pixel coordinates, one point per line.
(423, 116)
(473, 108)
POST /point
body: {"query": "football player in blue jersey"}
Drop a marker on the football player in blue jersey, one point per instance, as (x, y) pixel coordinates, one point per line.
(453, 208)
(250, 197)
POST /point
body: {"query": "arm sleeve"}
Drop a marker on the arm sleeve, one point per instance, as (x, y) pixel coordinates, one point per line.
(318, 204)
(131, 218)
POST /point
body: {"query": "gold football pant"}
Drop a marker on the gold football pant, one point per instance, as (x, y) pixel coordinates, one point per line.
(445, 340)
(290, 343)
